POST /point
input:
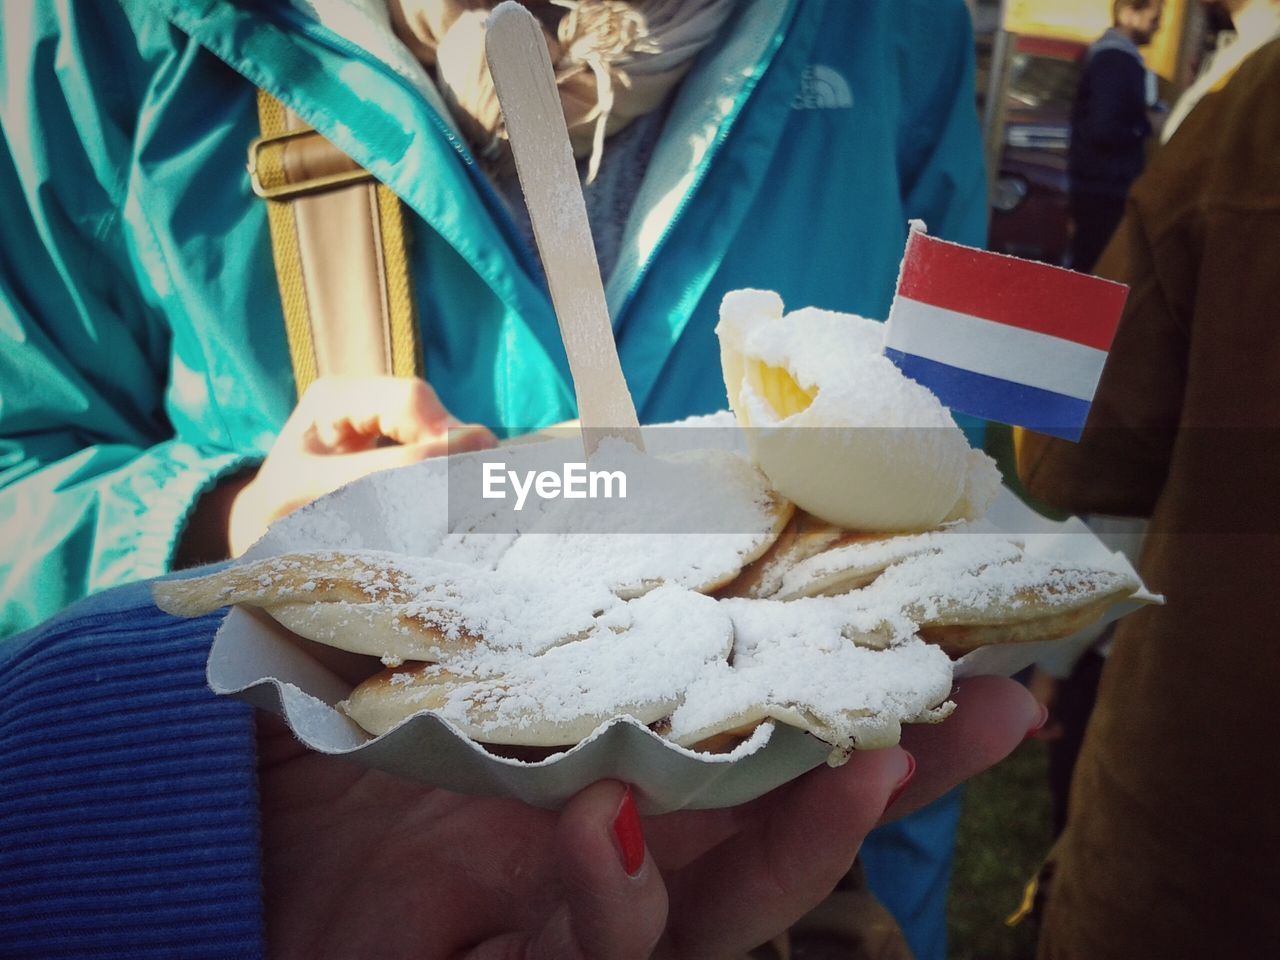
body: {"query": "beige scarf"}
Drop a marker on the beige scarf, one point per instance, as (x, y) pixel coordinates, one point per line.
(614, 60)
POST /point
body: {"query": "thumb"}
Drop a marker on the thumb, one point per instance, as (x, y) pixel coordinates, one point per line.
(615, 902)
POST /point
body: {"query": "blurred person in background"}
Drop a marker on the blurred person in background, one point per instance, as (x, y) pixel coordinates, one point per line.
(1069, 685)
(1172, 842)
(1109, 127)
(149, 417)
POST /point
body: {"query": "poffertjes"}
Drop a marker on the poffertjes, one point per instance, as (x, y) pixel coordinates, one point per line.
(784, 614)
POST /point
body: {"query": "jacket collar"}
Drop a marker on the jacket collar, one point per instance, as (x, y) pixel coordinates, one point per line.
(339, 66)
(709, 102)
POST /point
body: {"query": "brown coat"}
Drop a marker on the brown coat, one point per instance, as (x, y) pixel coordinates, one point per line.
(1172, 848)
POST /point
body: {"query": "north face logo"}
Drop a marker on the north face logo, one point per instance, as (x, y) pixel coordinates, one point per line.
(822, 88)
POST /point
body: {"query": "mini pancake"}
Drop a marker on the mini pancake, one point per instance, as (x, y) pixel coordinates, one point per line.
(841, 723)
(350, 601)
(499, 710)
(970, 596)
(804, 536)
(726, 741)
(855, 560)
(316, 577)
(804, 663)
(845, 730)
(692, 519)
(636, 662)
(1073, 599)
(390, 606)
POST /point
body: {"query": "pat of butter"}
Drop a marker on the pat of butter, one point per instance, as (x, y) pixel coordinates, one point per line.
(779, 389)
(837, 428)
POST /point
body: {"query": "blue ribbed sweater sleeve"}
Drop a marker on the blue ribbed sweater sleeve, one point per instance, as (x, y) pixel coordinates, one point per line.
(128, 794)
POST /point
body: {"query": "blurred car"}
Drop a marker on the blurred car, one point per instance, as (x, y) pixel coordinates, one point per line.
(1029, 215)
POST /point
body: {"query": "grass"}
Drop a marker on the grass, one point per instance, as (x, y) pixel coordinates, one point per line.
(1004, 834)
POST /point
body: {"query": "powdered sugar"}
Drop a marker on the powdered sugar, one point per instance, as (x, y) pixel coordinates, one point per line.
(870, 556)
(795, 662)
(637, 660)
(841, 356)
(717, 495)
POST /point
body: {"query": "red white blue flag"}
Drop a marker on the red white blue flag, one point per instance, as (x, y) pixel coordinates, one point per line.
(1000, 338)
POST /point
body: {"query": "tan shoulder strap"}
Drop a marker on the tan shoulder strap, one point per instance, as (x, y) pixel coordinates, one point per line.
(338, 239)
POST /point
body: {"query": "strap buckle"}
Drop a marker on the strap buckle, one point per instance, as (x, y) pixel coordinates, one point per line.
(286, 190)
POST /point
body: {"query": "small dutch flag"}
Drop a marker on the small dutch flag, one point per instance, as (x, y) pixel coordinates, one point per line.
(1001, 338)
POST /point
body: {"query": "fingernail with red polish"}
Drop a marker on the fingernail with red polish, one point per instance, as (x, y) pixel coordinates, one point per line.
(1038, 723)
(626, 827)
(905, 782)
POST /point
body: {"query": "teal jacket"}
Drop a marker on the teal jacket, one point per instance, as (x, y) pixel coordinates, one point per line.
(142, 347)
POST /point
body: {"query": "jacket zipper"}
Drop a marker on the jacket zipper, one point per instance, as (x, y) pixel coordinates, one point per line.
(700, 175)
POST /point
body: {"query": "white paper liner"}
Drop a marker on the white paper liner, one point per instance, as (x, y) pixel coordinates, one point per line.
(257, 660)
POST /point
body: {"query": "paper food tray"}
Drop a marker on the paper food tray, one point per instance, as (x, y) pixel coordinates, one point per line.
(257, 660)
